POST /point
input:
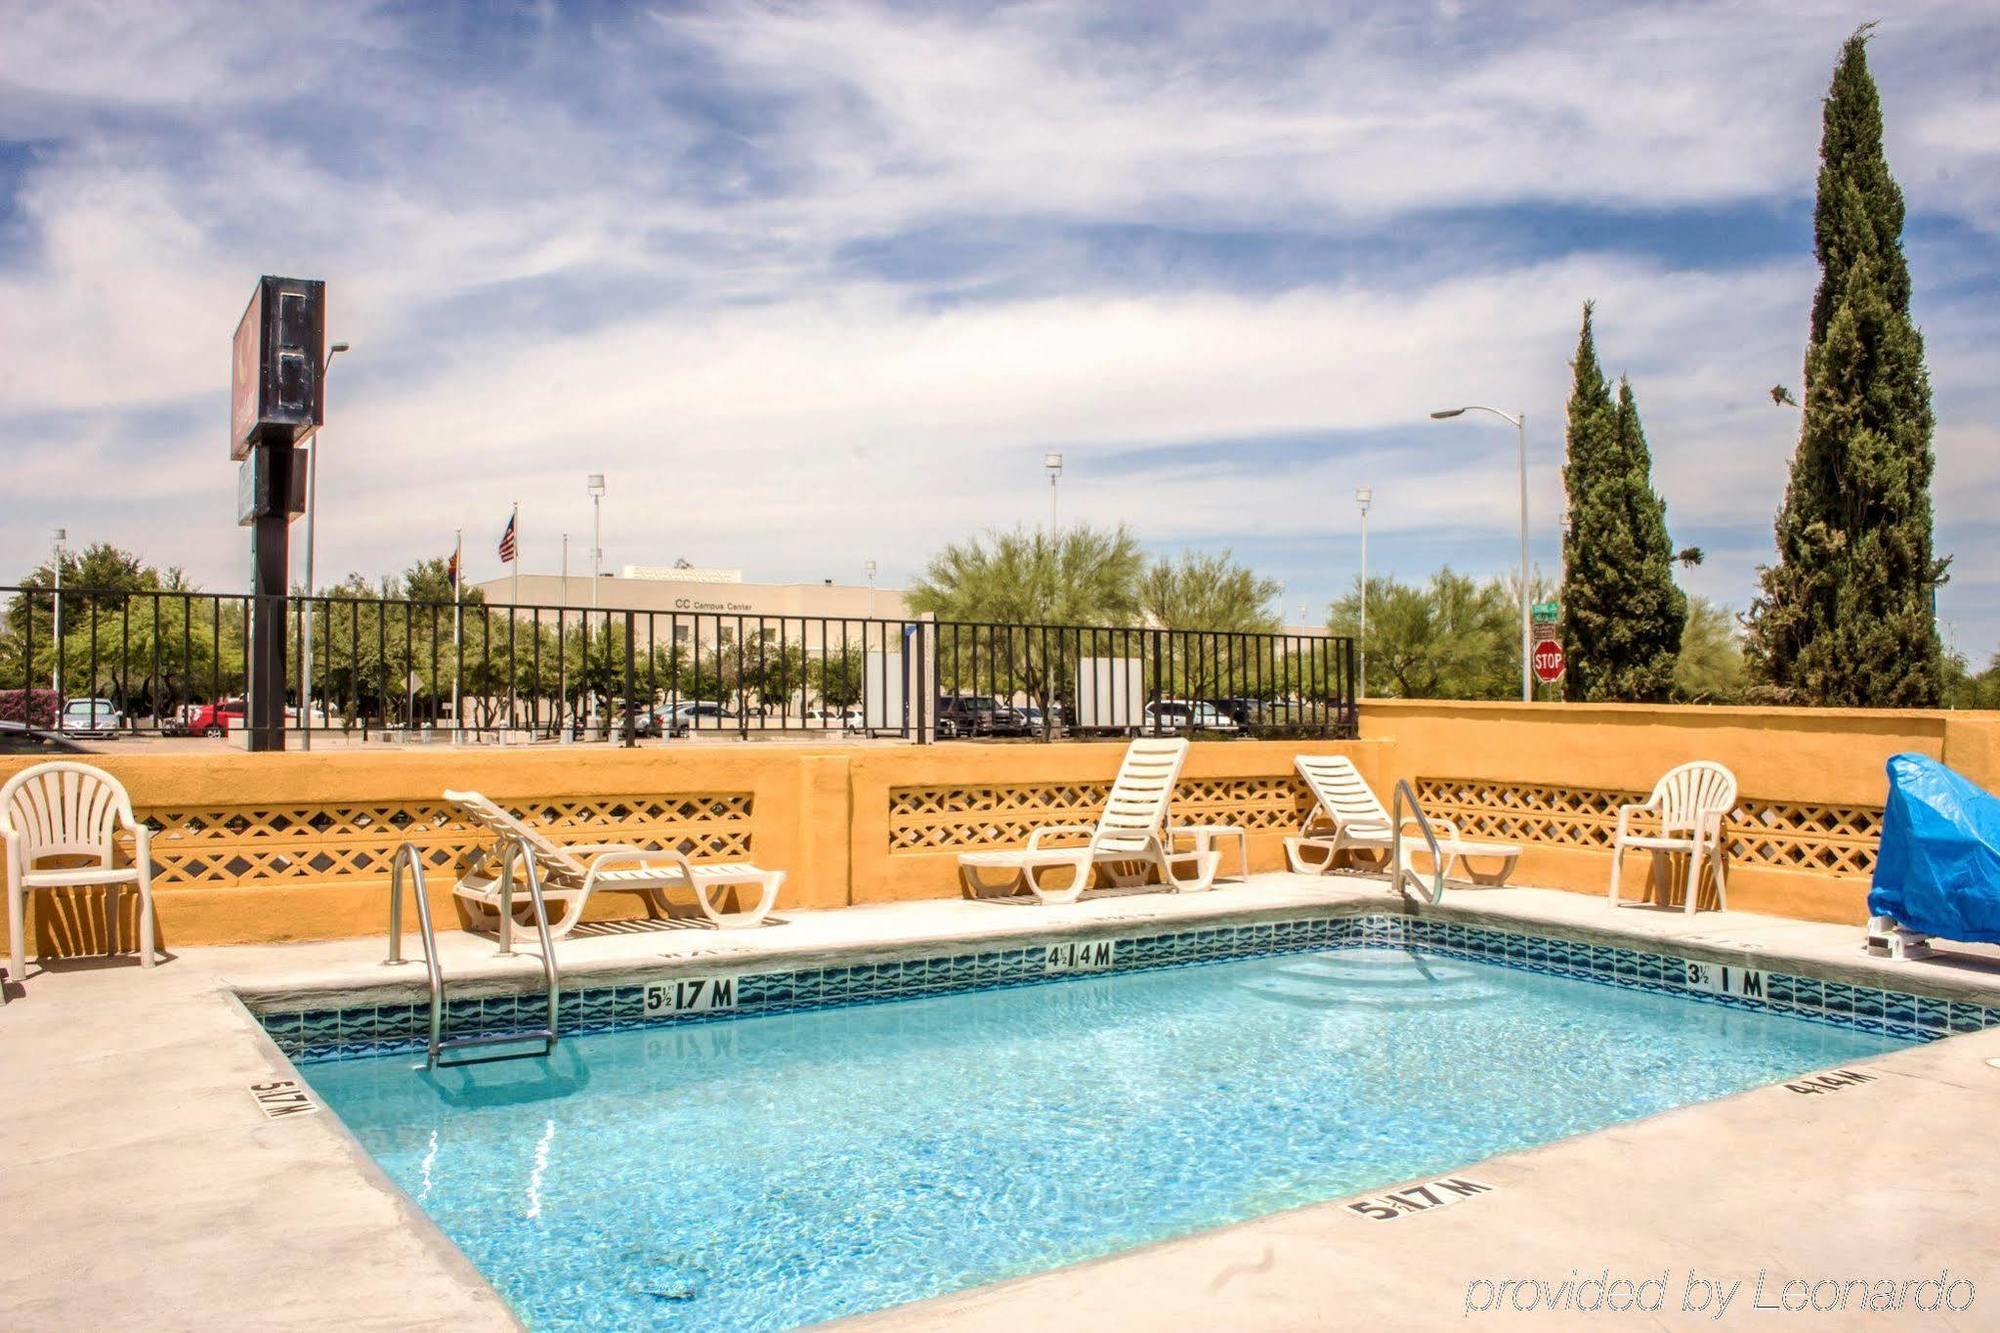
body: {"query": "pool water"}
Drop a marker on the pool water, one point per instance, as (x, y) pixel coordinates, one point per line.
(766, 1172)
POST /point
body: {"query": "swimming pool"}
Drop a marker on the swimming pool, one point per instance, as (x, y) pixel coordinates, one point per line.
(773, 1170)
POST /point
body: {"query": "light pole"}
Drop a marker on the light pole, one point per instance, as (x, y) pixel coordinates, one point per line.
(1054, 464)
(1519, 422)
(1363, 497)
(562, 652)
(58, 538)
(312, 510)
(595, 485)
(869, 568)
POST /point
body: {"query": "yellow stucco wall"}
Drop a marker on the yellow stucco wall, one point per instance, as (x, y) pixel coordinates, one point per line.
(1827, 755)
(880, 874)
(1819, 759)
(855, 824)
(797, 799)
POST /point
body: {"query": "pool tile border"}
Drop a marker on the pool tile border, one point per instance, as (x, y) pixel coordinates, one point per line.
(312, 1036)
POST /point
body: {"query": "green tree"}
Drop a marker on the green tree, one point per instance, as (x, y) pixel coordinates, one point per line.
(1204, 591)
(1452, 638)
(840, 677)
(1966, 690)
(1846, 615)
(96, 580)
(1081, 576)
(1710, 668)
(430, 581)
(1622, 613)
(121, 640)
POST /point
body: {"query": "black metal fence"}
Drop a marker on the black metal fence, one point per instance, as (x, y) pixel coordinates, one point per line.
(1049, 681)
(102, 662)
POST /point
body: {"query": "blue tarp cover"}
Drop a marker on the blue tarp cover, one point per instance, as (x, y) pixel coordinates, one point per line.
(1938, 871)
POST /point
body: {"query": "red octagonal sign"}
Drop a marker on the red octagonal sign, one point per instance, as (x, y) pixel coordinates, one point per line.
(1548, 661)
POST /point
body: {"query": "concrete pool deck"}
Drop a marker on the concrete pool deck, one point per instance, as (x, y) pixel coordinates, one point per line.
(146, 1187)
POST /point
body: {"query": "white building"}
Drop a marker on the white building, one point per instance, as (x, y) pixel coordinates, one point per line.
(667, 590)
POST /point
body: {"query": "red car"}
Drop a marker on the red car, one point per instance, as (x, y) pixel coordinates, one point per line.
(213, 719)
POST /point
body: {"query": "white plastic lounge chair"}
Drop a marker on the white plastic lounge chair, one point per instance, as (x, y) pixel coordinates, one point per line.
(571, 874)
(1691, 802)
(70, 810)
(1346, 814)
(1132, 830)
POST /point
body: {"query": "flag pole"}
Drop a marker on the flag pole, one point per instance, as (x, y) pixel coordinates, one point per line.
(457, 646)
(562, 650)
(513, 617)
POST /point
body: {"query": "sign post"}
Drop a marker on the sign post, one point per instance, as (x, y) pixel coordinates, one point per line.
(1548, 661)
(276, 399)
(1548, 655)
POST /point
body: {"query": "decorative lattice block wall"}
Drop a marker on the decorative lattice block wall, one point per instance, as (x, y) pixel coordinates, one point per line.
(1784, 835)
(259, 845)
(957, 818)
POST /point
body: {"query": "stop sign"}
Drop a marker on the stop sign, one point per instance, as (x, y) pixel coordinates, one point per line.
(1548, 661)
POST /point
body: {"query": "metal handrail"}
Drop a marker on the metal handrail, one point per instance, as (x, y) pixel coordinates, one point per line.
(408, 855)
(512, 846)
(1402, 871)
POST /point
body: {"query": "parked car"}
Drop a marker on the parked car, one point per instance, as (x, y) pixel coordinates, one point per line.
(215, 719)
(1175, 715)
(835, 719)
(978, 715)
(91, 717)
(1243, 712)
(694, 715)
(1032, 715)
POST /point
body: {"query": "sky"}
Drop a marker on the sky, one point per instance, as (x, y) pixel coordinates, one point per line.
(816, 284)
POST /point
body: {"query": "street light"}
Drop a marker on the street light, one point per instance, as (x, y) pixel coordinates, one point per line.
(1519, 423)
(312, 511)
(869, 569)
(594, 483)
(1363, 497)
(58, 537)
(1054, 464)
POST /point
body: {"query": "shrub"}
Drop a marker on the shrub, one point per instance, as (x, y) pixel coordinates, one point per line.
(37, 708)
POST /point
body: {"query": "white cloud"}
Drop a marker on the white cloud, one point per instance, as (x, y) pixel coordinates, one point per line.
(697, 177)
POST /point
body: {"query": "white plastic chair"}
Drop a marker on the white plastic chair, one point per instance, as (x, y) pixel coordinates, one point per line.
(1345, 814)
(66, 809)
(1691, 802)
(1132, 830)
(570, 874)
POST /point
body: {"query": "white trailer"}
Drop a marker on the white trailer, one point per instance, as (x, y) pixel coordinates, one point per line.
(1110, 694)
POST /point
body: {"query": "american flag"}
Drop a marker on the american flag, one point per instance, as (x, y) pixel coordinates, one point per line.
(508, 550)
(451, 568)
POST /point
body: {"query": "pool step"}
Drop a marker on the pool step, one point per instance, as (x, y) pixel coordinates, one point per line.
(1331, 998)
(1373, 980)
(1403, 972)
(546, 1036)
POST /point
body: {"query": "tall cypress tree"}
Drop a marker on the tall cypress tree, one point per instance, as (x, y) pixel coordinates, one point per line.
(1622, 613)
(1846, 616)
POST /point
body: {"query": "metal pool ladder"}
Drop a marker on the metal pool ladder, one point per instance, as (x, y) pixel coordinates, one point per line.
(407, 856)
(1432, 893)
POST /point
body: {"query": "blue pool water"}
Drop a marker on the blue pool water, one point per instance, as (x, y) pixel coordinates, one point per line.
(765, 1172)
